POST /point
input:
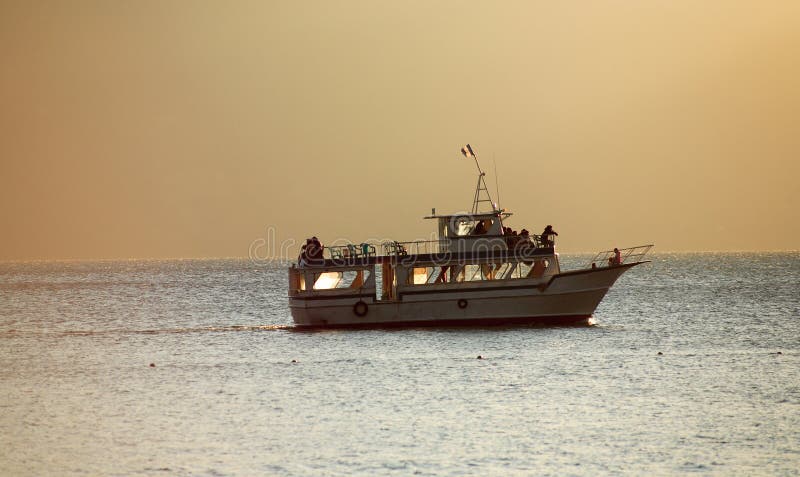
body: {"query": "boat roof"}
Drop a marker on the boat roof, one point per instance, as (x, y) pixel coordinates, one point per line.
(478, 216)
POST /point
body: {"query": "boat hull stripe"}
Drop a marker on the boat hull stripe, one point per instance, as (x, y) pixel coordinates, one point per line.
(518, 320)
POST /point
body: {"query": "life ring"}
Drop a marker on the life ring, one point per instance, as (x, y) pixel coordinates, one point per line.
(462, 303)
(360, 308)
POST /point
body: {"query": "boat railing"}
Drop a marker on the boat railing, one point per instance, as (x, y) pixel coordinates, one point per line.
(395, 248)
(626, 255)
(421, 247)
(415, 247)
(343, 252)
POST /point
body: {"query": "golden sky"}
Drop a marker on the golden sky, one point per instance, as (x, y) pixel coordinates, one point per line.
(157, 128)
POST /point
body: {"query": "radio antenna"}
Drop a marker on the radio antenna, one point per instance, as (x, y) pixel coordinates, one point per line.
(496, 181)
(481, 186)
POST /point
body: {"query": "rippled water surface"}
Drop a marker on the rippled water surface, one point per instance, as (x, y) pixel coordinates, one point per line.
(693, 366)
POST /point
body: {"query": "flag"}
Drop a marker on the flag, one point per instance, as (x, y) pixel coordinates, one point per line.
(467, 151)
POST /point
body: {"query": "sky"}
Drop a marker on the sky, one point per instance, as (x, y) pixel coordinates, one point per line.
(179, 129)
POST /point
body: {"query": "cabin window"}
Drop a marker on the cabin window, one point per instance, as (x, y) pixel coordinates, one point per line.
(428, 275)
(443, 228)
(420, 275)
(523, 269)
(439, 274)
(476, 272)
(502, 271)
(462, 226)
(483, 227)
(300, 281)
(345, 279)
(472, 273)
(327, 280)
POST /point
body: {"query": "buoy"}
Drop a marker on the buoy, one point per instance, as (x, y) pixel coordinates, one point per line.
(480, 357)
(294, 361)
(779, 352)
(660, 353)
(152, 365)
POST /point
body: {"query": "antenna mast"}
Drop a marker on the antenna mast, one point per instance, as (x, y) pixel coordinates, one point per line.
(496, 180)
(481, 186)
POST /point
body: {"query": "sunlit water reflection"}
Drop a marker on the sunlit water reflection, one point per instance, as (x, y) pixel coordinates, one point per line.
(224, 398)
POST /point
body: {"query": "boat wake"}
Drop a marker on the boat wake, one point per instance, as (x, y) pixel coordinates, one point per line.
(160, 331)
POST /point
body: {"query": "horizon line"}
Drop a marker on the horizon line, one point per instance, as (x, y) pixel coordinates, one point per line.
(277, 259)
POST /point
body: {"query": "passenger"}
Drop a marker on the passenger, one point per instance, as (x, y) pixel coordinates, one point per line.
(314, 250)
(547, 236)
(617, 257)
(303, 259)
(524, 239)
(480, 229)
(513, 238)
(319, 245)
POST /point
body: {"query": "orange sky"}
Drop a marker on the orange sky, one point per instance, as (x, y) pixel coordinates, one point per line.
(164, 128)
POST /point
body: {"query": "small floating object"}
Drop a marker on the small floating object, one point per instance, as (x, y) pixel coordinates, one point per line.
(152, 365)
(778, 352)
(660, 353)
(294, 361)
(479, 357)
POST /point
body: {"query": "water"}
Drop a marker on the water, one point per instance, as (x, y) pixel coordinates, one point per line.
(79, 395)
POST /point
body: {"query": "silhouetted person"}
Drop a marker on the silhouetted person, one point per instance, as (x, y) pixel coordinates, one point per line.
(314, 249)
(617, 257)
(303, 259)
(547, 236)
(524, 239)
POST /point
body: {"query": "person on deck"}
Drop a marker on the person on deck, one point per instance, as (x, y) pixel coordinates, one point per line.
(547, 236)
(304, 253)
(617, 257)
(507, 236)
(316, 249)
(524, 239)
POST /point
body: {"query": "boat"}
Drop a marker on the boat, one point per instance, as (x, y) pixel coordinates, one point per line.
(475, 273)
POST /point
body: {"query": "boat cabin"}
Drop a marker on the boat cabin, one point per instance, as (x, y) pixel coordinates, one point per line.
(460, 233)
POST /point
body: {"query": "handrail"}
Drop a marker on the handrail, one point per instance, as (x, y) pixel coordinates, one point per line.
(627, 255)
(338, 252)
(416, 247)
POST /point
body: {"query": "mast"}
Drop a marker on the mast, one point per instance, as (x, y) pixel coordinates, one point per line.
(480, 187)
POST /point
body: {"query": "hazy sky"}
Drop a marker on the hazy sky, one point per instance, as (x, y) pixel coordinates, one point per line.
(188, 128)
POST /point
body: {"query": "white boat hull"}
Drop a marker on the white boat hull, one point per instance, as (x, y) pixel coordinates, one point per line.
(566, 298)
